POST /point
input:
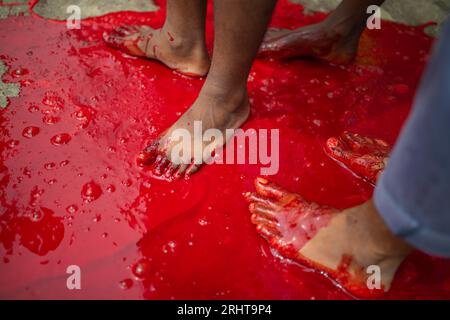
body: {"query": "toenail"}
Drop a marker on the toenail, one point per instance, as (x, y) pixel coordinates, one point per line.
(262, 180)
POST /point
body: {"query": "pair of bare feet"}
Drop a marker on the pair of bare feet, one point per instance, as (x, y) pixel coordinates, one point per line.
(342, 244)
(216, 108)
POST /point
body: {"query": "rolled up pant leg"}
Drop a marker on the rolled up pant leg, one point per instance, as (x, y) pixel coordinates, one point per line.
(413, 193)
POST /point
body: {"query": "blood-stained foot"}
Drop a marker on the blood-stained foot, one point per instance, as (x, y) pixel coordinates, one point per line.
(320, 41)
(184, 55)
(285, 219)
(352, 246)
(364, 156)
(182, 149)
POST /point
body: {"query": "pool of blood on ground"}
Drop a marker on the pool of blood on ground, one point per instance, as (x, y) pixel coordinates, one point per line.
(71, 193)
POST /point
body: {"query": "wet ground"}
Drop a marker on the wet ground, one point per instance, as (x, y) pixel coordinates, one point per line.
(75, 113)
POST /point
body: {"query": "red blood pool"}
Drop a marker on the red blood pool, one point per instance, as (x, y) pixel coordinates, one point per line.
(30, 132)
(59, 139)
(91, 191)
(227, 256)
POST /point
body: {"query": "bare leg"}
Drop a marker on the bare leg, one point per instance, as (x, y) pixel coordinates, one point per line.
(223, 102)
(342, 244)
(335, 39)
(179, 44)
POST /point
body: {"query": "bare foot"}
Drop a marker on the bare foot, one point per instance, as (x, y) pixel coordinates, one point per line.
(342, 245)
(364, 156)
(322, 41)
(212, 111)
(187, 56)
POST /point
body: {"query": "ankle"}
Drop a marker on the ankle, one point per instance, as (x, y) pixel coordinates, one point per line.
(380, 244)
(188, 43)
(230, 99)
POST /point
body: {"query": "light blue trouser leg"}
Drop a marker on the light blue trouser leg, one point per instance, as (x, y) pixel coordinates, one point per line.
(413, 194)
